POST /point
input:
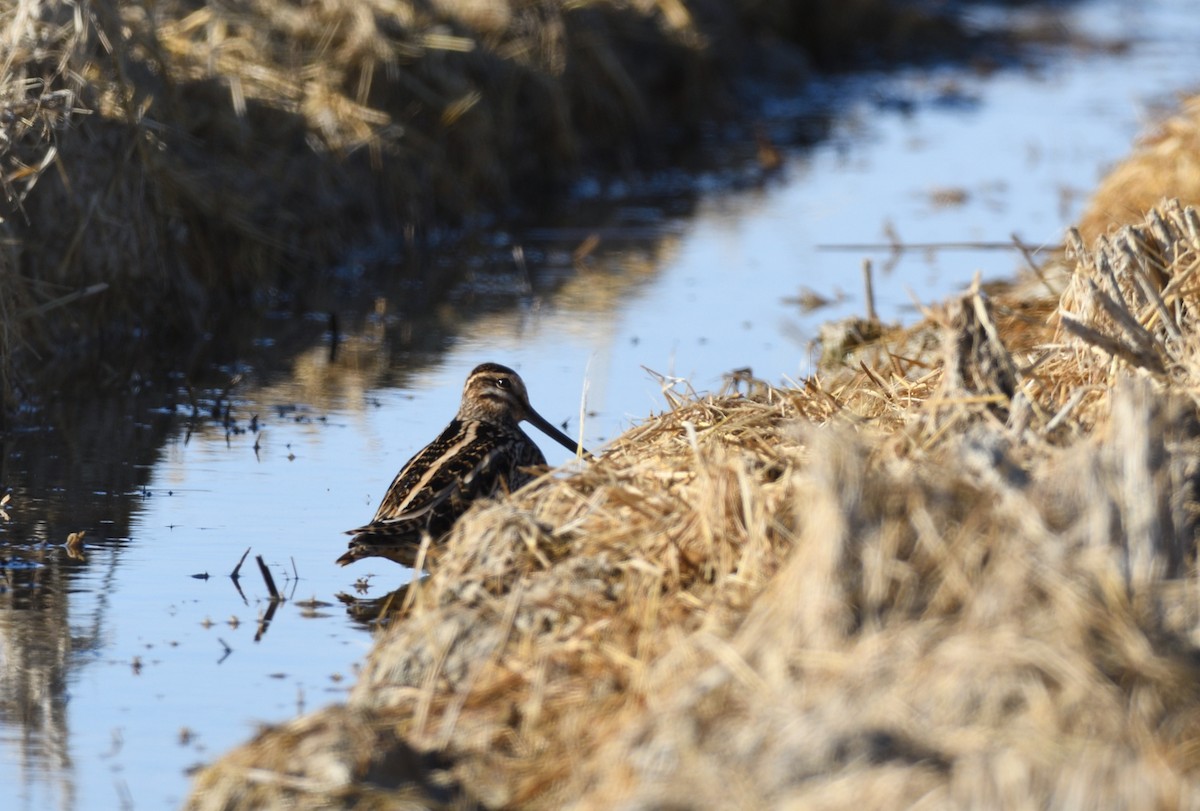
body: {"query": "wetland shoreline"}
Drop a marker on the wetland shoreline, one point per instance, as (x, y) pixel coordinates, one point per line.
(954, 568)
(959, 553)
(965, 551)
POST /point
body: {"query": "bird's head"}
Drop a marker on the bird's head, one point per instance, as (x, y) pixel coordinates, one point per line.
(495, 393)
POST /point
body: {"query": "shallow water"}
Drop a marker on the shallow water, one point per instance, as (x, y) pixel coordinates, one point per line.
(123, 670)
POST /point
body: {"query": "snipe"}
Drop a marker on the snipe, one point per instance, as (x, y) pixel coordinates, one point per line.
(481, 452)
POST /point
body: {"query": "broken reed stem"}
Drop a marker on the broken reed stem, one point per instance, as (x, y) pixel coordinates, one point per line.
(1027, 254)
(236, 573)
(61, 301)
(579, 449)
(869, 291)
(410, 593)
(270, 581)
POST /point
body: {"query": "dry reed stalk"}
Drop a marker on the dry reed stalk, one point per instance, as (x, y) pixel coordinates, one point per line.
(1131, 303)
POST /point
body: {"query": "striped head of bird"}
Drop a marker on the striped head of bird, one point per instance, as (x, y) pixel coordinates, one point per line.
(496, 394)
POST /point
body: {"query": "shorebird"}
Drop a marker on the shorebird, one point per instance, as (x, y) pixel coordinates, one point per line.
(483, 451)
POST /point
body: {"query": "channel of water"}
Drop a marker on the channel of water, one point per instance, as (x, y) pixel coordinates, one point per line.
(129, 664)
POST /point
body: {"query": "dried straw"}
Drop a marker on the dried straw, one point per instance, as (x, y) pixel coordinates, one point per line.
(1166, 164)
(955, 571)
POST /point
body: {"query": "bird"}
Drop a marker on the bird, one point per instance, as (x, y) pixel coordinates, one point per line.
(482, 452)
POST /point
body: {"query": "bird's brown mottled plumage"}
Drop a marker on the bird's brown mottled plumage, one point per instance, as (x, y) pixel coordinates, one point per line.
(481, 452)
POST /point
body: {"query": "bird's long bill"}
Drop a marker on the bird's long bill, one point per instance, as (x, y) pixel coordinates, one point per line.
(543, 425)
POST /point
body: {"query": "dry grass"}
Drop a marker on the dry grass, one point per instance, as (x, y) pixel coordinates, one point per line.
(38, 101)
(956, 571)
(164, 162)
(1166, 164)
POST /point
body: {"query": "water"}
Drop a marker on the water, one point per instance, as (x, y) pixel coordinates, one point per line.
(124, 670)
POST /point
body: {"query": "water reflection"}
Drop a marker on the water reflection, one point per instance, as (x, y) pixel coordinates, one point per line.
(82, 474)
(376, 611)
(36, 648)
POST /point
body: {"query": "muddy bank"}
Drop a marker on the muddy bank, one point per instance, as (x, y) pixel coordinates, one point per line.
(168, 166)
(955, 568)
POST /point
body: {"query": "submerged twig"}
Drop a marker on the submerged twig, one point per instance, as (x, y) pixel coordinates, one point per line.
(265, 621)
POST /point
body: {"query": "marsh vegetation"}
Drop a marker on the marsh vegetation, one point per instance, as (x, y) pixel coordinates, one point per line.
(954, 566)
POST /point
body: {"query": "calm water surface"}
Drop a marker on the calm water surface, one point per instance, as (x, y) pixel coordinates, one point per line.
(125, 669)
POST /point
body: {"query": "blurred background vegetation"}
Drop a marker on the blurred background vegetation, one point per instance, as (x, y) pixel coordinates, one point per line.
(167, 164)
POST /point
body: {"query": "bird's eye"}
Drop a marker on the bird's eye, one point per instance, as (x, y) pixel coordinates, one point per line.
(502, 383)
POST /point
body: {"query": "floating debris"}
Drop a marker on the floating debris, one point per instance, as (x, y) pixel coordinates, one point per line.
(74, 546)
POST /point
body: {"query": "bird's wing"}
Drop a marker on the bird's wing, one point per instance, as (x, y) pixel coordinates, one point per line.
(462, 464)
